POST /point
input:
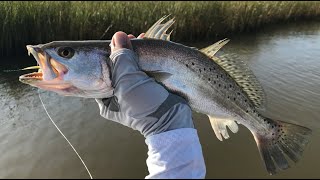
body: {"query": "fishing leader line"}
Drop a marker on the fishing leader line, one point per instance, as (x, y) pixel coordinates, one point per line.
(64, 136)
(27, 68)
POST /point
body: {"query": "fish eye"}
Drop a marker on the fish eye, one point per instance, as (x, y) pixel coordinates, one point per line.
(65, 52)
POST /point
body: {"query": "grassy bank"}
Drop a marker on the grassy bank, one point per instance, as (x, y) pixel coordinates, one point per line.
(40, 22)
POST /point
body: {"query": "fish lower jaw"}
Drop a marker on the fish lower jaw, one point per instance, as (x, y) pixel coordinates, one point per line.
(36, 79)
(35, 76)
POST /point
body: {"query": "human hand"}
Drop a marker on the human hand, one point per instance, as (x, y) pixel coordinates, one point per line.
(134, 103)
(119, 41)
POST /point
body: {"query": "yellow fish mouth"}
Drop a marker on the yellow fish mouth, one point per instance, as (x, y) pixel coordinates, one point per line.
(31, 77)
(46, 66)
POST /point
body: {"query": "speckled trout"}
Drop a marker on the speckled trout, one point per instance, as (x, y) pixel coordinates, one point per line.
(221, 87)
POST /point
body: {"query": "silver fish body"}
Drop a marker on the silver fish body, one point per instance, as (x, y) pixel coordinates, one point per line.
(208, 87)
(211, 90)
(197, 78)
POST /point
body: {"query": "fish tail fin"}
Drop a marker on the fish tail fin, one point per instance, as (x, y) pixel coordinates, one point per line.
(283, 139)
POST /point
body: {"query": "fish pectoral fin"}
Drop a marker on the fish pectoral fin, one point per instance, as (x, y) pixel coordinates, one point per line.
(159, 75)
(219, 126)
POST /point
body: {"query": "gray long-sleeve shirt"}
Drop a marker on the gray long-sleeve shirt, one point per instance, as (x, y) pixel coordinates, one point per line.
(174, 149)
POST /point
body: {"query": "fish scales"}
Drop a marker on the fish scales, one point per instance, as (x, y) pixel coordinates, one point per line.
(212, 81)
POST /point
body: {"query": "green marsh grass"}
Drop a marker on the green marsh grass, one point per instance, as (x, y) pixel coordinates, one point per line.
(37, 22)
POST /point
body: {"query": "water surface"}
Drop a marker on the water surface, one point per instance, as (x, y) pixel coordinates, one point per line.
(285, 59)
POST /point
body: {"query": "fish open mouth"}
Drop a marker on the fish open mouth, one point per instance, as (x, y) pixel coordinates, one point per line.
(50, 71)
(34, 75)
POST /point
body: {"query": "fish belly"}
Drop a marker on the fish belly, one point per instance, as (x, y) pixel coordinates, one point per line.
(199, 96)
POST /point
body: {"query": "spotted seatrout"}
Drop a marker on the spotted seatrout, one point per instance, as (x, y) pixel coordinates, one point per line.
(221, 87)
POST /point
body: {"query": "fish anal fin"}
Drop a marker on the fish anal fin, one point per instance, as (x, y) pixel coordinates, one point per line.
(285, 141)
(219, 126)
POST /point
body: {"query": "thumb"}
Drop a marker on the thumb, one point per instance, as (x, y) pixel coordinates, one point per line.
(120, 40)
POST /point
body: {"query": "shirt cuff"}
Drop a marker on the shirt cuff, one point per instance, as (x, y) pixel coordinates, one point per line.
(175, 154)
(119, 52)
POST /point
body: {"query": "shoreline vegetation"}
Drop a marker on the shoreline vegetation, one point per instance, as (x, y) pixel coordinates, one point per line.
(38, 22)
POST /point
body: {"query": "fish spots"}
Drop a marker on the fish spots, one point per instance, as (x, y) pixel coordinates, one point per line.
(217, 76)
(204, 69)
(219, 85)
(214, 82)
(212, 68)
(187, 65)
(230, 86)
(209, 79)
(225, 87)
(238, 93)
(192, 63)
(200, 70)
(234, 99)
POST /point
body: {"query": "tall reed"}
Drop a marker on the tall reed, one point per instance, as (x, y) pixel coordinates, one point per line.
(37, 22)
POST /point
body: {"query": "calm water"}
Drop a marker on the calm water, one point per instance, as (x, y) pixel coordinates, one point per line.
(284, 59)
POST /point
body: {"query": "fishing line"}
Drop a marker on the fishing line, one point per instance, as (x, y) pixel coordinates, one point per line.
(65, 137)
(11, 70)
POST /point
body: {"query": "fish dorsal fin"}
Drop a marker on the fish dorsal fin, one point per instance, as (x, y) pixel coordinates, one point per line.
(214, 48)
(229, 62)
(244, 77)
(159, 31)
